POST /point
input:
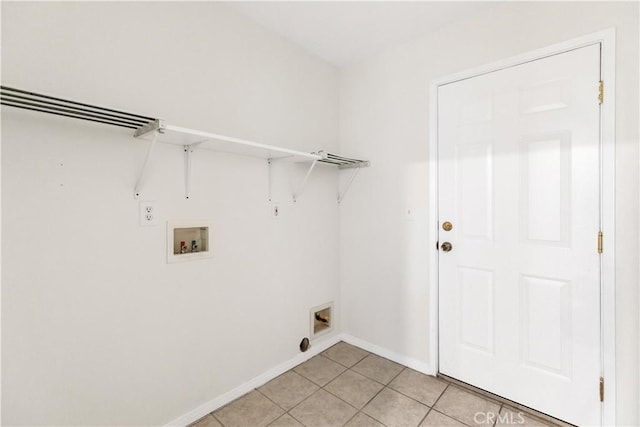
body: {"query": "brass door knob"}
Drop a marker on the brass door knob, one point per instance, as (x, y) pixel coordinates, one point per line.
(446, 246)
(447, 226)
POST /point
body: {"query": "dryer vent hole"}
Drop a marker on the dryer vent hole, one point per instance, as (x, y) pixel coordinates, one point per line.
(321, 320)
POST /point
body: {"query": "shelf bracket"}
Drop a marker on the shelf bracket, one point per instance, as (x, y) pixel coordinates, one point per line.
(137, 191)
(269, 176)
(188, 150)
(353, 177)
(300, 189)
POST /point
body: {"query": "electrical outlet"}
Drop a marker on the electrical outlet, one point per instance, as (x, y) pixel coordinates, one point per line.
(148, 213)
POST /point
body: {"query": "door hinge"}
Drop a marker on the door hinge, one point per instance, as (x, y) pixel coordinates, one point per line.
(600, 244)
(600, 92)
(601, 388)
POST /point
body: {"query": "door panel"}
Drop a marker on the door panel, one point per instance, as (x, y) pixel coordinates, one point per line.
(518, 177)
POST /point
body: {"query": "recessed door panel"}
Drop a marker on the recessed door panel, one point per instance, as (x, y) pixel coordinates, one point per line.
(476, 186)
(476, 308)
(546, 325)
(546, 189)
(544, 97)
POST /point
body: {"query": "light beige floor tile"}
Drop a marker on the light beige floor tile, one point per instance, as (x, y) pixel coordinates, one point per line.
(510, 417)
(467, 407)
(363, 420)
(320, 370)
(423, 388)
(394, 409)
(323, 409)
(252, 409)
(345, 354)
(288, 389)
(207, 421)
(378, 368)
(285, 421)
(436, 419)
(354, 388)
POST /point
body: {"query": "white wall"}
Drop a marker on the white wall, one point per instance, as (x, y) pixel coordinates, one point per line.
(385, 117)
(96, 328)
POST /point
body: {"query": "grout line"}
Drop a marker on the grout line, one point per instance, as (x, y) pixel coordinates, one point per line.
(439, 397)
(449, 416)
(341, 399)
(494, 398)
(354, 415)
(348, 367)
(425, 415)
(369, 401)
(498, 414)
(397, 375)
(305, 399)
(434, 404)
(413, 398)
(272, 401)
(341, 364)
(291, 415)
(433, 408)
(216, 418)
(288, 413)
(375, 395)
(379, 382)
(338, 397)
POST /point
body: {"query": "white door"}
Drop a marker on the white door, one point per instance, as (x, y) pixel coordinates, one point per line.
(518, 179)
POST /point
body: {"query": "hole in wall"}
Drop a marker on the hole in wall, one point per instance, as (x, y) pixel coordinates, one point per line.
(304, 344)
(321, 319)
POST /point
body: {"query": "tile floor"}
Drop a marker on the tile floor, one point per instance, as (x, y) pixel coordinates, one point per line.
(346, 385)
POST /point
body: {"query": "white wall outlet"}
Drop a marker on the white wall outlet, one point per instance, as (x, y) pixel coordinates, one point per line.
(276, 210)
(148, 213)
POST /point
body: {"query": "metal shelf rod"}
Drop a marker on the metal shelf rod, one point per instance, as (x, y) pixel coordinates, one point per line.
(68, 115)
(48, 104)
(78, 112)
(39, 95)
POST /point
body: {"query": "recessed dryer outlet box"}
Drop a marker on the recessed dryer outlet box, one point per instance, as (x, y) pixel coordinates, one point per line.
(188, 240)
(321, 319)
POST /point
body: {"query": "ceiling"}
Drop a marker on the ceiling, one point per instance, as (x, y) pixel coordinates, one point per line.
(344, 32)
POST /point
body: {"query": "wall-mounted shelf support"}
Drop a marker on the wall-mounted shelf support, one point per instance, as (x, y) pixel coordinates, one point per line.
(145, 167)
(300, 189)
(156, 130)
(269, 176)
(344, 193)
(188, 152)
(344, 163)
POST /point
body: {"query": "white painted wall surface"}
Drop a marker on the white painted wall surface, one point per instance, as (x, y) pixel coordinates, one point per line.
(97, 329)
(384, 117)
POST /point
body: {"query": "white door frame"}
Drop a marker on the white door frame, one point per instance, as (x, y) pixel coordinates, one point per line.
(607, 199)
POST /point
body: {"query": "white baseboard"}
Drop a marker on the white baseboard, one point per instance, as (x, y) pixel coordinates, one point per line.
(412, 363)
(315, 349)
(218, 402)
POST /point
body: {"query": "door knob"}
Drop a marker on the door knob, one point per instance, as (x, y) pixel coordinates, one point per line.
(446, 246)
